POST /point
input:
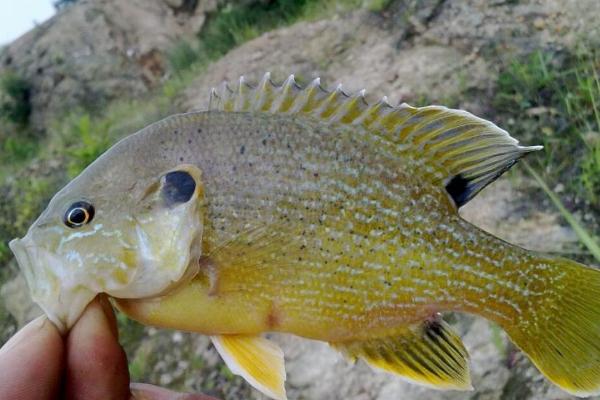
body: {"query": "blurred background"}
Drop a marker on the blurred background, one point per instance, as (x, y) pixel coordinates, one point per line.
(77, 75)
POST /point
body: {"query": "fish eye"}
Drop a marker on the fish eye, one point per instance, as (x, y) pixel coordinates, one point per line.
(79, 214)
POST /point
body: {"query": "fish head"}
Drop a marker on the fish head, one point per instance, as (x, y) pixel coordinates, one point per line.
(135, 239)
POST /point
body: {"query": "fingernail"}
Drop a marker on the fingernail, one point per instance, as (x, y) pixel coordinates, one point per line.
(32, 328)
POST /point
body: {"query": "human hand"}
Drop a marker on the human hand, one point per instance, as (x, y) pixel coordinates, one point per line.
(38, 364)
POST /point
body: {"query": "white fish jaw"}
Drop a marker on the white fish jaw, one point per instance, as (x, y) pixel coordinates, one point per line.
(58, 294)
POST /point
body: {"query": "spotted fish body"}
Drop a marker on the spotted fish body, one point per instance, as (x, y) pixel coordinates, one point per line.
(325, 227)
(321, 216)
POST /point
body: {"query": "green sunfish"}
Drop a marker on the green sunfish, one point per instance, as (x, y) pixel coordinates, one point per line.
(308, 211)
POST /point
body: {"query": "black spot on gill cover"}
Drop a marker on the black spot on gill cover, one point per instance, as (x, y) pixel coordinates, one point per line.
(179, 187)
(458, 188)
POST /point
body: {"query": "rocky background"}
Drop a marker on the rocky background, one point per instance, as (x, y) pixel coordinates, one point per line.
(101, 69)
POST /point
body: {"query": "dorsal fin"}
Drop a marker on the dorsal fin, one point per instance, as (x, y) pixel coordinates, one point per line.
(466, 152)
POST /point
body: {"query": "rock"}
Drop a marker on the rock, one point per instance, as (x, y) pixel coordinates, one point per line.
(508, 28)
(174, 3)
(503, 210)
(96, 51)
(354, 50)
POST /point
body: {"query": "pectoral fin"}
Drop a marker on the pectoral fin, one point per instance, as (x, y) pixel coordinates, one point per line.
(258, 360)
(430, 354)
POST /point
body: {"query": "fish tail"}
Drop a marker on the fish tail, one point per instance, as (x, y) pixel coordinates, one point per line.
(559, 327)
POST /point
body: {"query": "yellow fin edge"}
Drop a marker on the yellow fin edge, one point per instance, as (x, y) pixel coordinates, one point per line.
(256, 359)
(429, 354)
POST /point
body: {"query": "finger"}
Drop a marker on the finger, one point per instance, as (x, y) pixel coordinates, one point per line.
(143, 391)
(31, 362)
(96, 363)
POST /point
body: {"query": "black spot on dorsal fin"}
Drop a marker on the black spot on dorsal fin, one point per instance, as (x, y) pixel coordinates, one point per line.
(459, 189)
(178, 187)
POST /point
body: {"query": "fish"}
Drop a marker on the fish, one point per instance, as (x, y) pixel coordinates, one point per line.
(308, 211)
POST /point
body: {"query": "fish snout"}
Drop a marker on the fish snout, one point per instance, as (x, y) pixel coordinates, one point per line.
(62, 300)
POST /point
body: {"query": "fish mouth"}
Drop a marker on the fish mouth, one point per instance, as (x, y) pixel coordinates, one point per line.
(61, 299)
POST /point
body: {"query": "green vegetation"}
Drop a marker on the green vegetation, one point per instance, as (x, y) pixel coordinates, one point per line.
(378, 5)
(22, 200)
(131, 334)
(182, 56)
(15, 106)
(17, 141)
(554, 99)
(238, 22)
(584, 236)
(590, 173)
(16, 148)
(90, 143)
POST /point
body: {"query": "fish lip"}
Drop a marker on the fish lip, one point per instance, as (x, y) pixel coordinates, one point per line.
(61, 307)
(19, 249)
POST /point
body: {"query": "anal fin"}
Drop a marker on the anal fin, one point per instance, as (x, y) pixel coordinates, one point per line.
(256, 359)
(429, 354)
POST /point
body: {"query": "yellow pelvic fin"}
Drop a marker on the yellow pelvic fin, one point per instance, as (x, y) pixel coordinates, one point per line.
(464, 152)
(429, 354)
(258, 360)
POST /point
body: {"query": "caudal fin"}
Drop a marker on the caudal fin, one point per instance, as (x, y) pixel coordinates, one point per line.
(560, 331)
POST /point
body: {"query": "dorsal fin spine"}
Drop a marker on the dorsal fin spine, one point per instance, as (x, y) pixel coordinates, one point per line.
(373, 113)
(288, 95)
(264, 93)
(331, 104)
(310, 97)
(353, 107)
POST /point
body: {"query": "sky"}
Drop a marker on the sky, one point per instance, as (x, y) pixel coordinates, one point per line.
(19, 16)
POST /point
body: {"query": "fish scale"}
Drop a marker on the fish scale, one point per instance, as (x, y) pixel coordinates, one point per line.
(345, 184)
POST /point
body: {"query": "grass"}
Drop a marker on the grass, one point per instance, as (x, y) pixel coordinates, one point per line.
(236, 23)
(17, 148)
(590, 173)
(584, 236)
(90, 144)
(554, 98)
